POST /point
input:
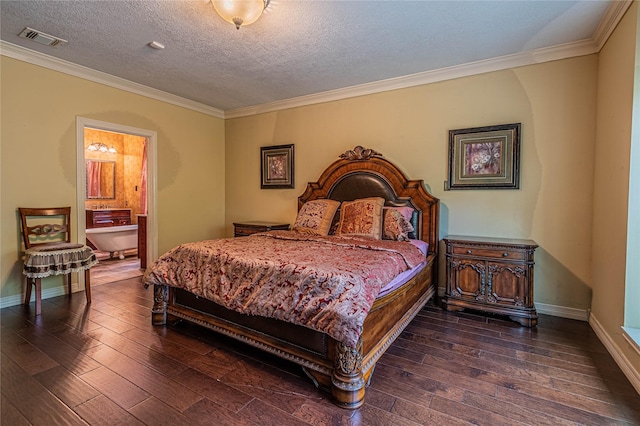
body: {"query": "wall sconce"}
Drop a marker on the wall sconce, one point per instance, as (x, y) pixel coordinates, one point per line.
(97, 146)
(240, 12)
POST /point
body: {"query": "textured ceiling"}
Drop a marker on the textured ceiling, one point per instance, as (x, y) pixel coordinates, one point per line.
(296, 48)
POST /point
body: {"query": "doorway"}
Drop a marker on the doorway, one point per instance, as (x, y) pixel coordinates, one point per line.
(124, 192)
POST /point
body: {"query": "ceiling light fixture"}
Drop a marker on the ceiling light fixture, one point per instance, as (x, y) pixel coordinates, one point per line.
(97, 146)
(240, 12)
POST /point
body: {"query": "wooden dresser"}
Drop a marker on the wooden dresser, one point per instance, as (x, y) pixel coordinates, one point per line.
(242, 229)
(110, 217)
(493, 275)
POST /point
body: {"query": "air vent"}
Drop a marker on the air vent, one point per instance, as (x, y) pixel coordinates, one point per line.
(42, 38)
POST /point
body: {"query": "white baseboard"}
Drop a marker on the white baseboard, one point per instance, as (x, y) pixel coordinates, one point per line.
(8, 301)
(553, 310)
(563, 311)
(616, 353)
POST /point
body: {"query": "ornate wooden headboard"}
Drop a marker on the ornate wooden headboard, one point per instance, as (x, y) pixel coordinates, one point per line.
(361, 173)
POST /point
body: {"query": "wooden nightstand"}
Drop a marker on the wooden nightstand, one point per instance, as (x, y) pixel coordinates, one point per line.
(492, 275)
(242, 229)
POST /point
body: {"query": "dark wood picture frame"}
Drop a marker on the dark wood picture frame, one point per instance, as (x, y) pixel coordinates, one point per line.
(276, 167)
(485, 157)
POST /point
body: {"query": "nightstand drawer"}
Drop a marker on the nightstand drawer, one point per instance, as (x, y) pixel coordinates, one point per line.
(490, 253)
(243, 229)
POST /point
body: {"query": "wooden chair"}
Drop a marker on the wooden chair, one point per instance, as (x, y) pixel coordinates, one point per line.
(49, 250)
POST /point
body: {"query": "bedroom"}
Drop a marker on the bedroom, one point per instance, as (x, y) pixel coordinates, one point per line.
(575, 131)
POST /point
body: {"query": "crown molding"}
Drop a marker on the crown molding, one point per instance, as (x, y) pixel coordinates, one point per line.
(612, 17)
(36, 58)
(568, 50)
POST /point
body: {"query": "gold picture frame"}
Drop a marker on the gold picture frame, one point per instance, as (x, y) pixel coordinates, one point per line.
(276, 167)
(485, 157)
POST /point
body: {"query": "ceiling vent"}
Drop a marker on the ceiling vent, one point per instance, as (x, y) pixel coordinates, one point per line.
(40, 37)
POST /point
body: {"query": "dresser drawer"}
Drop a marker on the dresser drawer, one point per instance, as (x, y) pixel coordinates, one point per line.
(494, 253)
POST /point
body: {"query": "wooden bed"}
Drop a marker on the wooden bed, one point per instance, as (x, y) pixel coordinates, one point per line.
(333, 366)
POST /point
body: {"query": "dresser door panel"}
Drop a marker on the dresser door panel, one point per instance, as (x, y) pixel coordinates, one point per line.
(508, 284)
(469, 277)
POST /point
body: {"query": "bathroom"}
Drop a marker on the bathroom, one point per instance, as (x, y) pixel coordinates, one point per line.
(115, 202)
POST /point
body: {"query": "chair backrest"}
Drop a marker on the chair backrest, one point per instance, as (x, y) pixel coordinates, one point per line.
(35, 231)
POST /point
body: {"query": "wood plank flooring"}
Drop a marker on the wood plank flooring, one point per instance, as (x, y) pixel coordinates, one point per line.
(105, 364)
(113, 269)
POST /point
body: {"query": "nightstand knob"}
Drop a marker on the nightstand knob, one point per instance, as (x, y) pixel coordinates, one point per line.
(505, 254)
(468, 251)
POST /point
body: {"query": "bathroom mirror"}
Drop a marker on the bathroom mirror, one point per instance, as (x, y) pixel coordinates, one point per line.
(101, 179)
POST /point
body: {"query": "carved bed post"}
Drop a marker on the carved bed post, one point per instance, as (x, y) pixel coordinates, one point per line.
(347, 382)
(160, 300)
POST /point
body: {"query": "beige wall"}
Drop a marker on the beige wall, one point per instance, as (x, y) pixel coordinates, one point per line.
(38, 161)
(556, 104)
(611, 179)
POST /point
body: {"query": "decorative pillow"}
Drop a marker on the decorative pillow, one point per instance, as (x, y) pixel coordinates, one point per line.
(407, 212)
(362, 218)
(396, 225)
(315, 216)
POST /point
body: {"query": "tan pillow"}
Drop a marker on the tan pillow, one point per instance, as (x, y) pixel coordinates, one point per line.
(395, 225)
(315, 216)
(362, 218)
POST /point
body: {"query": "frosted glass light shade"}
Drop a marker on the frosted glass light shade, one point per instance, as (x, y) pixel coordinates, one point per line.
(239, 12)
(100, 147)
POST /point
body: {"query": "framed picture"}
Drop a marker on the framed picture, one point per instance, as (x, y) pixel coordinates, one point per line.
(276, 166)
(485, 157)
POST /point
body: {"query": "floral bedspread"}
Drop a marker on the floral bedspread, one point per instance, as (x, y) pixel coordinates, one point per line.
(324, 283)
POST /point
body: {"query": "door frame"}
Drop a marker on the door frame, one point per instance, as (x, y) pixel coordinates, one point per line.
(152, 185)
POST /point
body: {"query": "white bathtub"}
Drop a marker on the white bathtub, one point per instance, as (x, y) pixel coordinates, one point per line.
(114, 238)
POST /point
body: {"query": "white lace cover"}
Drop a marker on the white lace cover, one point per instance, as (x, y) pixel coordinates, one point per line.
(57, 259)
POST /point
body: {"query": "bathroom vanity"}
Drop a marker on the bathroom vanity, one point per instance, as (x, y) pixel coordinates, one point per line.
(108, 217)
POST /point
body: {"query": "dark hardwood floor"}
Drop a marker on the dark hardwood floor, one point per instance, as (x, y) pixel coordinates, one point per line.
(106, 364)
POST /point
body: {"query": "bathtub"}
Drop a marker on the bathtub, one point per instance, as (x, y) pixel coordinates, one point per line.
(114, 238)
